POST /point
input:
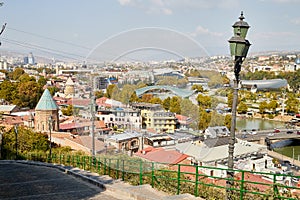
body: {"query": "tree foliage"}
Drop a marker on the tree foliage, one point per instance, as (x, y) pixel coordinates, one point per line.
(204, 101)
(70, 110)
(23, 92)
(28, 141)
(242, 108)
(175, 105)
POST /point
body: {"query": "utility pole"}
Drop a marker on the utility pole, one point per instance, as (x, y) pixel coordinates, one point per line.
(93, 110)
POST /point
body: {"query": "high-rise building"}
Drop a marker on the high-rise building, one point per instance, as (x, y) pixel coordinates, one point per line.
(31, 59)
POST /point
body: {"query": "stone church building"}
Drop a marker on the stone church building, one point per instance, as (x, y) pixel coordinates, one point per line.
(46, 113)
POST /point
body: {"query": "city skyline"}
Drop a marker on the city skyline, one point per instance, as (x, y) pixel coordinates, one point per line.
(170, 29)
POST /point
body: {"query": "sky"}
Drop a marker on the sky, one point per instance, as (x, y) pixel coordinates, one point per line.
(110, 30)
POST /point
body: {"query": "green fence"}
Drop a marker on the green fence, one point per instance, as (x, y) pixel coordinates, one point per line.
(181, 178)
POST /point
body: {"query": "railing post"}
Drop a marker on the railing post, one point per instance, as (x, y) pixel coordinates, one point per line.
(178, 180)
(83, 157)
(104, 166)
(152, 174)
(109, 162)
(141, 172)
(196, 181)
(123, 170)
(99, 165)
(275, 188)
(117, 169)
(73, 160)
(242, 185)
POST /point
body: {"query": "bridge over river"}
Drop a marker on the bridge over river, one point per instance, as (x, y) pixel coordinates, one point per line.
(260, 136)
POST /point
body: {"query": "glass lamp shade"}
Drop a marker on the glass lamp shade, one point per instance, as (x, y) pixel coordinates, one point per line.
(238, 46)
(242, 30)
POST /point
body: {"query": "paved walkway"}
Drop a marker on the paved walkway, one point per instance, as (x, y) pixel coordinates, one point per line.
(34, 180)
(21, 181)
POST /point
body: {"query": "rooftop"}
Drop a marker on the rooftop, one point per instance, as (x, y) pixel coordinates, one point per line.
(46, 102)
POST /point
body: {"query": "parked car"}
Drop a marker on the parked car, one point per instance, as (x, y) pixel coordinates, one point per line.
(289, 132)
(271, 134)
(276, 130)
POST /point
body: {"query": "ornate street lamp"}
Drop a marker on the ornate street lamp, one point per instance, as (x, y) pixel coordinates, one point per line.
(239, 47)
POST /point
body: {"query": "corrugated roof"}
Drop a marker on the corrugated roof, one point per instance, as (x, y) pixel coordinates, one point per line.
(46, 102)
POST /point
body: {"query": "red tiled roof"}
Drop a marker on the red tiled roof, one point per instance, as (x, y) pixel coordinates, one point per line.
(73, 125)
(254, 178)
(79, 102)
(161, 155)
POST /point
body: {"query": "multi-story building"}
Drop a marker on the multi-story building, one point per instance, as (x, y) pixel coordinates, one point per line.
(121, 118)
(160, 121)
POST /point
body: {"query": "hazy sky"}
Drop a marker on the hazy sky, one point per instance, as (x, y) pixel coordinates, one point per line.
(77, 28)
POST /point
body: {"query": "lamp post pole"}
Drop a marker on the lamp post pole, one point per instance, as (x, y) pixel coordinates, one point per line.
(239, 47)
(50, 121)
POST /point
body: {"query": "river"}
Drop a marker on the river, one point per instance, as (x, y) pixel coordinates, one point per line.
(292, 150)
(258, 124)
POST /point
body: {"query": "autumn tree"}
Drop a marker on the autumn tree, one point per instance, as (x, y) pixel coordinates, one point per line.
(155, 100)
(146, 98)
(190, 110)
(166, 103)
(198, 88)
(175, 105)
(242, 108)
(70, 110)
(262, 107)
(204, 101)
(204, 119)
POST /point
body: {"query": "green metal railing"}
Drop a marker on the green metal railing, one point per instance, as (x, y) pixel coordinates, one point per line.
(182, 178)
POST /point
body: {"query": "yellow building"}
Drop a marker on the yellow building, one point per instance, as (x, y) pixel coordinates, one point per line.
(160, 121)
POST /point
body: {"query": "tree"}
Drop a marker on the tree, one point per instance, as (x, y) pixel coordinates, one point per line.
(175, 105)
(273, 105)
(190, 110)
(147, 97)
(204, 101)
(166, 103)
(28, 141)
(16, 73)
(227, 121)
(155, 100)
(230, 99)
(262, 107)
(70, 110)
(8, 91)
(29, 94)
(198, 88)
(53, 90)
(110, 90)
(242, 108)
(204, 119)
(292, 104)
(99, 94)
(126, 93)
(42, 81)
(134, 98)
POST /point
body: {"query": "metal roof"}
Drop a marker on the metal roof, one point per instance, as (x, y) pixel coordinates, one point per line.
(179, 92)
(46, 102)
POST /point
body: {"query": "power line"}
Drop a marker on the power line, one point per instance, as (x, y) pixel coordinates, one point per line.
(43, 49)
(48, 38)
